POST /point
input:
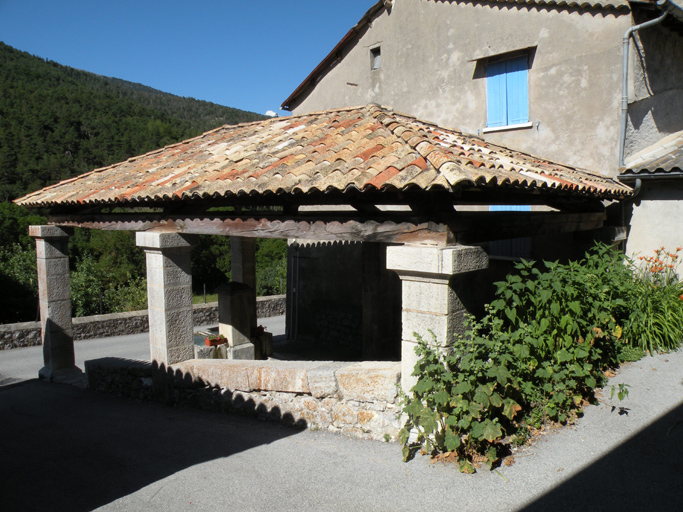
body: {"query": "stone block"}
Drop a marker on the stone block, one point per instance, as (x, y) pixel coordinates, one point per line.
(369, 381)
(177, 270)
(235, 312)
(243, 352)
(290, 379)
(366, 417)
(173, 355)
(423, 324)
(408, 361)
(178, 327)
(322, 381)
(309, 404)
(221, 373)
(52, 267)
(58, 313)
(429, 296)
(45, 231)
(171, 297)
(203, 352)
(51, 249)
(55, 288)
(436, 260)
(342, 414)
(157, 240)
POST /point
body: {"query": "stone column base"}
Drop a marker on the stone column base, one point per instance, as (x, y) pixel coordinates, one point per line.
(73, 376)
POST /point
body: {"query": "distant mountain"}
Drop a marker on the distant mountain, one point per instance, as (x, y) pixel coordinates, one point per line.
(57, 122)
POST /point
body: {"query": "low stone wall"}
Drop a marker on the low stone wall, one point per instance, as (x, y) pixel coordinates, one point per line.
(357, 399)
(25, 334)
(118, 324)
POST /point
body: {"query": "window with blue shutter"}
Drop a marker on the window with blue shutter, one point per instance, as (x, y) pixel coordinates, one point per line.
(507, 94)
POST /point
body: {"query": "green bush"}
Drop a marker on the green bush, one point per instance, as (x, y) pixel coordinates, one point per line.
(540, 351)
(465, 399)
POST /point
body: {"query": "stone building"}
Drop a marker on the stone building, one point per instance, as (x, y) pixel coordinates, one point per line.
(397, 190)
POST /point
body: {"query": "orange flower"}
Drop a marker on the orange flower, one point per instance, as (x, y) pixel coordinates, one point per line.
(679, 248)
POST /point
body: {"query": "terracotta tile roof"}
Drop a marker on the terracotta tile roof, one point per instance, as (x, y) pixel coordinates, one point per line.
(663, 157)
(361, 149)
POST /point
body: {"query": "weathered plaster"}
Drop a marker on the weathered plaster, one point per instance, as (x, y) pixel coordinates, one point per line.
(654, 214)
(429, 70)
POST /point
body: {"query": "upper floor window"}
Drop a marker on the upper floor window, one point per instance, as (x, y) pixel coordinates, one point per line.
(375, 58)
(507, 93)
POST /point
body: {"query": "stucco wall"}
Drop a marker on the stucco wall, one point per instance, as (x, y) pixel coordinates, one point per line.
(656, 99)
(655, 218)
(429, 69)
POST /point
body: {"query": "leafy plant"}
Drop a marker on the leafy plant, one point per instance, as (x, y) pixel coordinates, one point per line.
(656, 298)
(464, 401)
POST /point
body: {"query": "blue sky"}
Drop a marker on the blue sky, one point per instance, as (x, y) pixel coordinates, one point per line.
(248, 54)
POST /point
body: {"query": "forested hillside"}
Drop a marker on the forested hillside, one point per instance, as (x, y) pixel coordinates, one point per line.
(57, 122)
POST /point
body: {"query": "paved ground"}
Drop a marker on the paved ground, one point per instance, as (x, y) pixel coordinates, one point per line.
(69, 449)
(24, 363)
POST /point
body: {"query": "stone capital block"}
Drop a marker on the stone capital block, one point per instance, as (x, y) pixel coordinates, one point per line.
(164, 240)
(436, 261)
(46, 231)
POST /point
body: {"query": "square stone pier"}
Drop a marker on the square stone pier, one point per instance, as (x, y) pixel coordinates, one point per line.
(430, 303)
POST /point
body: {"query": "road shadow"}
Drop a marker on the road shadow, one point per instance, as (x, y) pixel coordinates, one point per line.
(74, 450)
(643, 473)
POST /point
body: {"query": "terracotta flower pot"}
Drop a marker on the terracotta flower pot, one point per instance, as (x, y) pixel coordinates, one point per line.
(214, 342)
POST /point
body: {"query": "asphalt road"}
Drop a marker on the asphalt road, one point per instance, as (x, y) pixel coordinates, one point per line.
(71, 449)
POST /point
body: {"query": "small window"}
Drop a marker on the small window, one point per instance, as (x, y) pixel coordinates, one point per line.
(375, 58)
(507, 95)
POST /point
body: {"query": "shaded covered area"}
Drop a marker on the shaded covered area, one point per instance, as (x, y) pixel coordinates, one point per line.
(391, 212)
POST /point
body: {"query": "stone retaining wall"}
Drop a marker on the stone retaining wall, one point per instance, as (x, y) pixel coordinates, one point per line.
(357, 399)
(118, 324)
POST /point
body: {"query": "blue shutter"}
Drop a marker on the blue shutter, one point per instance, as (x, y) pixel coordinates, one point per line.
(517, 90)
(496, 95)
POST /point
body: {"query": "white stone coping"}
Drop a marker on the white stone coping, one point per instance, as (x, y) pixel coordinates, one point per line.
(365, 381)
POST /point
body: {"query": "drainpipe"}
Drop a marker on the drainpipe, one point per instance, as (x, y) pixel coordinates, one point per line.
(624, 81)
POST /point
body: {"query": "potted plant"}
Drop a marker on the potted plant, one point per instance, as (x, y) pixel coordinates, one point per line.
(215, 339)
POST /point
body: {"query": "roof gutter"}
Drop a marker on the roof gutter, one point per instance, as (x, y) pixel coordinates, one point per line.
(665, 4)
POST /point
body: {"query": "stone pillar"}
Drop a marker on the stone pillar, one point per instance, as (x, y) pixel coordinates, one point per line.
(169, 295)
(243, 269)
(54, 292)
(429, 300)
(235, 311)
